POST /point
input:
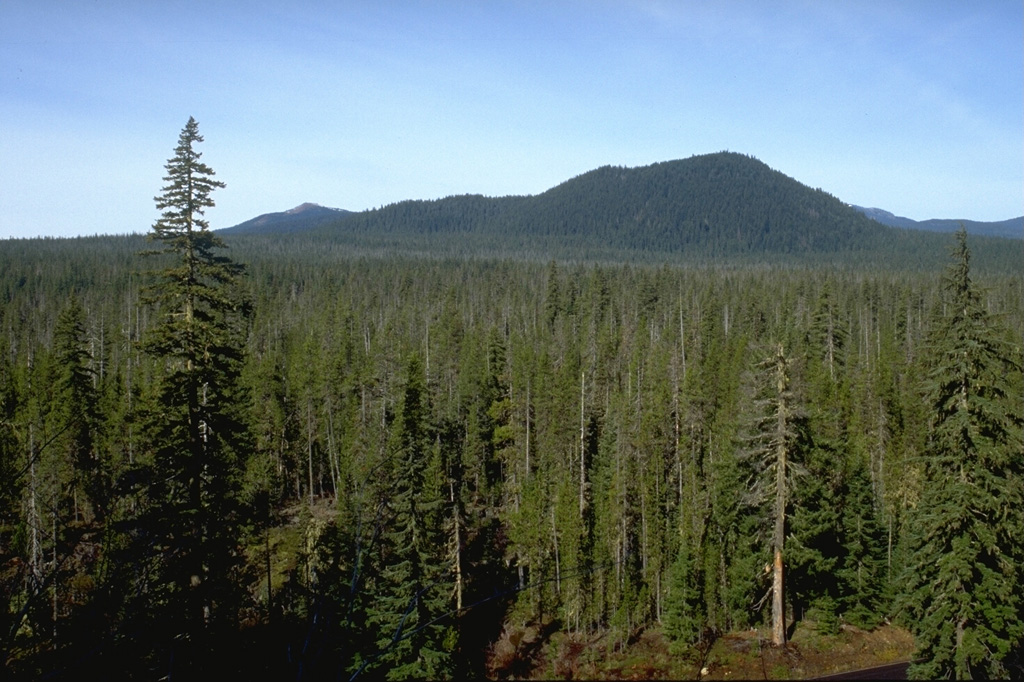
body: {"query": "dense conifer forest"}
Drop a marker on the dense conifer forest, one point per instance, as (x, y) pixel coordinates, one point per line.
(333, 456)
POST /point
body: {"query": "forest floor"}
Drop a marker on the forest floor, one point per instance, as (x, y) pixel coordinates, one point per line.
(734, 656)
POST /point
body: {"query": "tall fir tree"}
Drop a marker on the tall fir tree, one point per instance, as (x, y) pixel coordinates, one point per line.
(189, 517)
(414, 638)
(76, 410)
(962, 598)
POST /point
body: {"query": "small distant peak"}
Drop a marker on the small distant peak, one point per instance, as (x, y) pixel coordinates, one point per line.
(303, 207)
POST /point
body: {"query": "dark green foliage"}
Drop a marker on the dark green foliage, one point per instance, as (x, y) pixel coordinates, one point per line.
(474, 446)
(414, 637)
(186, 530)
(815, 549)
(76, 408)
(715, 205)
(962, 596)
(861, 572)
(11, 546)
(685, 615)
(722, 207)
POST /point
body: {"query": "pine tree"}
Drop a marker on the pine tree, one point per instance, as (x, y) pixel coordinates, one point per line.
(193, 428)
(962, 598)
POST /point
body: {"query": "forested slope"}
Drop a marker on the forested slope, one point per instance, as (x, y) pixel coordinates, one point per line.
(723, 207)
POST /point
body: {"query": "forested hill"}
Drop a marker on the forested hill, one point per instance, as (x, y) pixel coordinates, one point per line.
(723, 205)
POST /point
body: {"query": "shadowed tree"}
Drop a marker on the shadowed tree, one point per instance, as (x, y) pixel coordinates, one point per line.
(189, 518)
(76, 409)
(414, 638)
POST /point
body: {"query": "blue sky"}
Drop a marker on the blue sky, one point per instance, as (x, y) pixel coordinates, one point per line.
(914, 107)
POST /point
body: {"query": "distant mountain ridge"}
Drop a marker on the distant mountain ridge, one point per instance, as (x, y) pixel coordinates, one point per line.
(302, 217)
(1011, 229)
(719, 207)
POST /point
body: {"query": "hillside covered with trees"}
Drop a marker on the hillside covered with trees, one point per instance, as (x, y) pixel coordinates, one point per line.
(723, 207)
(375, 448)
